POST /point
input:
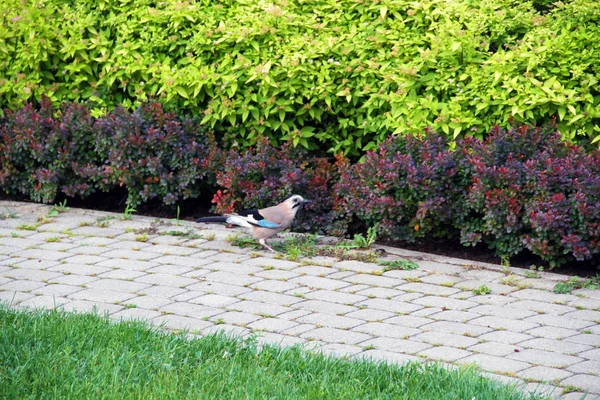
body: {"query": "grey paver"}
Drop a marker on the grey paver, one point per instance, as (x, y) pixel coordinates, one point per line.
(37, 264)
(494, 348)
(380, 292)
(409, 320)
(374, 280)
(387, 356)
(134, 265)
(190, 310)
(590, 339)
(101, 295)
(443, 353)
(85, 259)
(458, 328)
(86, 306)
(339, 350)
(333, 335)
(552, 332)
(387, 330)
(38, 254)
(13, 297)
(30, 274)
(454, 315)
(586, 315)
(390, 305)
(219, 288)
(270, 297)
(444, 302)
(136, 314)
(46, 302)
(79, 269)
(58, 290)
(314, 270)
(117, 285)
(170, 269)
(236, 268)
(332, 321)
(74, 280)
(272, 325)
(166, 280)
(335, 297)
(545, 374)
(506, 337)
(257, 308)
(513, 325)
(21, 285)
(586, 367)
(274, 286)
(590, 354)
(232, 278)
(371, 315)
(214, 300)
(319, 283)
(496, 364)
(502, 311)
(589, 382)
(396, 345)
(546, 358)
(238, 318)
(447, 339)
(181, 323)
(358, 266)
(557, 346)
(148, 302)
(544, 307)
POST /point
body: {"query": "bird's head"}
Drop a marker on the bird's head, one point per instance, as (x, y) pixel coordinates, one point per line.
(295, 201)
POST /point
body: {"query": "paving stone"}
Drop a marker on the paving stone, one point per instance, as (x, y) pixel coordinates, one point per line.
(340, 275)
(9, 250)
(214, 300)
(408, 297)
(390, 305)
(493, 299)
(446, 339)
(542, 295)
(455, 316)
(591, 367)
(133, 265)
(319, 283)
(371, 315)
(458, 328)
(544, 374)
(117, 285)
(181, 323)
(298, 329)
(162, 291)
(101, 295)
(122, 274)
(225, 257)
(132, 255)
(589, 339)
(46, 302)
(234, 268)
(274, 286)
(401, 274)
(257, 308)
(560, 321)
(171, 269)
(332, 321)
(79, 269)
(142, 314)
(38, 254)
(275, 325)
(386, 356)
(513, 325)
(335, 297)
(85, 259)
(444, 302)
(429, 289)
(277, 274)
(198, 273)
(591, 304)
(481, 274)
(379, 292)
(339, 350)
(358, 266)
(299, 291)
(589, 382)
(96, 241)
(238, 318)
(443, 353)
(591, 354)
(324, 307)
(219, 288)
(57, 246)
(30, 274)
(333, 335)
(354, 288)
(36, 264)
(496, 364)
(73, 280)
(294, 314)
(86, 306)
(374, 280)
(546, 308)
(96, 231)
(231, 278)
(171, 250)
(441, 279)
(192, 262)
(556, 346)
(190, 310)
(269, 338)
(381, 329)
(166, 280)
(314, 270)
(148, 302)
(545, 358)
(494, 348)
(22, 243)
(229, 330)
(57, 290)
(396, 345)
(124, 244)
(552, 332)
(21, 285)
(13, 297)
(270, 297)
(270, 262)
(502, 311)
(507, 337)
(408, 320)
(586, 315)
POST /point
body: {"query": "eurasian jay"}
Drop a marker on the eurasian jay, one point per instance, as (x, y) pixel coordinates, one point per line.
(266, 222)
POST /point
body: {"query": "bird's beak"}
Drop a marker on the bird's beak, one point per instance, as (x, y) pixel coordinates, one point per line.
(306, 201)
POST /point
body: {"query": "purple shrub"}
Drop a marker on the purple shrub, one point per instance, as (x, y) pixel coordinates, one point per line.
(409, 188)
(154, 154)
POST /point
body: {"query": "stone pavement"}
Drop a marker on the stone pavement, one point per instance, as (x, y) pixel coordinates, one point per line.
(187, 276)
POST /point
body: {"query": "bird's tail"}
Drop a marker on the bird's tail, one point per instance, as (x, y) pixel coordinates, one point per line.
(212, 219)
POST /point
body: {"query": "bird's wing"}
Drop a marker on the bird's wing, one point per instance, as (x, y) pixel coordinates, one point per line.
(254, 218)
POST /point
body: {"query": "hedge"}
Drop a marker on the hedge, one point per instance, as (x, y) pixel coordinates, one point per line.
(337, 74)
(521, 188)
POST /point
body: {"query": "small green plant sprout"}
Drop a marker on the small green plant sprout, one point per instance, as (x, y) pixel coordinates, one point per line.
(27, 227)
(8, 214)
(176, 220)
(58, 209)
(103, 222)
(360, 241)
(53, 239)
(128, 212)
(406, 265)
(481, 290)
(576, 282)
(141, 238)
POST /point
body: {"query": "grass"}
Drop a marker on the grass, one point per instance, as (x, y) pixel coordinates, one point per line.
(52, 354)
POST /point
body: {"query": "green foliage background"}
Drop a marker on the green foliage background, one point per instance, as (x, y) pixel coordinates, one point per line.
(335, 74)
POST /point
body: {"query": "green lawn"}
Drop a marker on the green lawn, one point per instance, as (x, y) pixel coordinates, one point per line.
(52, 354)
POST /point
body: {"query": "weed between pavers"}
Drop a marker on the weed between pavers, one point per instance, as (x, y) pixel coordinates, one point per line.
(576, 282)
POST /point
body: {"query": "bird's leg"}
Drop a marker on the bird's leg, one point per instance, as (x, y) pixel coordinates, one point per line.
(264, 243)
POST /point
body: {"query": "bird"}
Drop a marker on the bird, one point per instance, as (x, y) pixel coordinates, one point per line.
(266, 222)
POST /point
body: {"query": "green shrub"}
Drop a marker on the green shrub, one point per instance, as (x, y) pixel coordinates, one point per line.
(340, 75)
